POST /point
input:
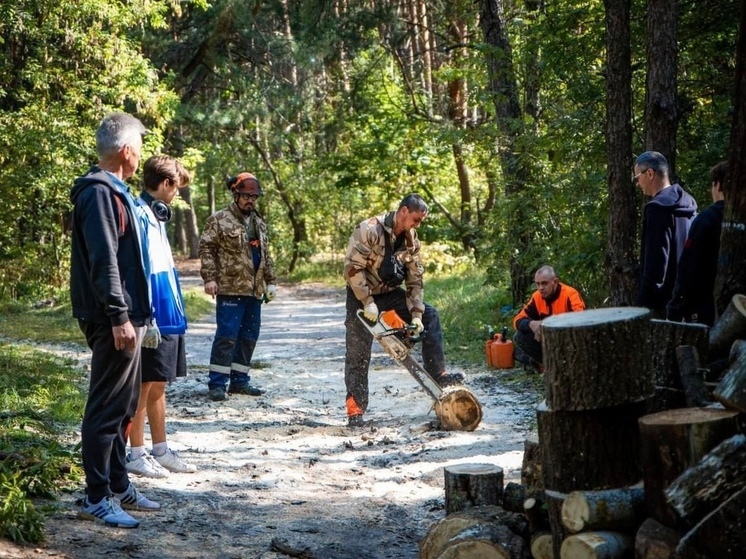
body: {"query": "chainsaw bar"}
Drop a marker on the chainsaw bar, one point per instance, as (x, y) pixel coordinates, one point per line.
(400, 352)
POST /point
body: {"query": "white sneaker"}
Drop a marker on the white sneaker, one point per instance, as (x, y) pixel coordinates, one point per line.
(132, 499)
(146, 466)
(171, 462)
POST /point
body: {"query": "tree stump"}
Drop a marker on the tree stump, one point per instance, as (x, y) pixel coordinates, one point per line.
(692, 377)
(730, 327)
(595, 449)
(621, 510)
(576, 348)
(471, 485)
(674, 440)
(531, 474)
(440, 533)
(597, 545)
(704, 486)
(666, 336)
(721, 534)
(513, 496)
(731, 390)
(655, 541)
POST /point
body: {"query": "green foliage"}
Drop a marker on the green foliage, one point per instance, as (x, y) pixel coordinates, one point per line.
(42, 400)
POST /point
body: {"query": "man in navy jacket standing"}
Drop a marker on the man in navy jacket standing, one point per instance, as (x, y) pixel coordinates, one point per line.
(111, 300)
(665, 226)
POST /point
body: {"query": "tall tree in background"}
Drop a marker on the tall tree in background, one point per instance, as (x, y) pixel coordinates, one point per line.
(661, 109)
(731, 278)
(621, 253)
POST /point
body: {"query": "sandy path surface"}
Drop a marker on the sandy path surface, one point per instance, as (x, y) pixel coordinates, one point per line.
(284, 466)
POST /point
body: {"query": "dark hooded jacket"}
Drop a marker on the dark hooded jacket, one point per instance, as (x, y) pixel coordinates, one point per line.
(108, 282)
(665, 226)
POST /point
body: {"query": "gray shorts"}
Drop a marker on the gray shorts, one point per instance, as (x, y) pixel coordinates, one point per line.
(166, 362)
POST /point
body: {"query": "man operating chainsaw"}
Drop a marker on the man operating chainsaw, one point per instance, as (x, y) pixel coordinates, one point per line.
(383, 272)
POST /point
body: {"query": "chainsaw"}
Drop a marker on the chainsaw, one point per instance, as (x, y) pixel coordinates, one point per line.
(456, 407)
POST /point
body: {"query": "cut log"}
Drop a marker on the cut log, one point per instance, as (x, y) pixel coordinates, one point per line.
(702, 488)
(593, 449)
(513, 497)
(486, 541)
(721, 534)
(577, 369)
(621, 510)
(655, 541)
(536, 512)
(730, 327)
(541, 547)
(666, 336)
(597, 545)
(554, 501)
(692, 377)
(673, 441)
(472, 485)
(439, 534)
(531, 474)
(731, 391)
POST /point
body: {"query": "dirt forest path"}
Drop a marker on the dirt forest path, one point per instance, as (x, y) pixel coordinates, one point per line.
(284, 466)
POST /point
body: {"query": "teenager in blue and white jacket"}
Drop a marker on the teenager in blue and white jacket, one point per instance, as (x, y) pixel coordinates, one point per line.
(163, 354)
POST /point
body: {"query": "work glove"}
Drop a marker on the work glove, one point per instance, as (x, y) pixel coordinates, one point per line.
(271, 293)
(418, 326)
(152, 336)
(370, 312)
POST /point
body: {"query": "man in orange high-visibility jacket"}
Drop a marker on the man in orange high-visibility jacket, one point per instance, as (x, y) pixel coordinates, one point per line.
(551, 297)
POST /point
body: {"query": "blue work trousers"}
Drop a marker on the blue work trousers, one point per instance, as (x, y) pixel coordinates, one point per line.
(239, 319)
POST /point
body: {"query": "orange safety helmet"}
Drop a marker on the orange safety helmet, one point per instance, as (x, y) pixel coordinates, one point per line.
(244, 183)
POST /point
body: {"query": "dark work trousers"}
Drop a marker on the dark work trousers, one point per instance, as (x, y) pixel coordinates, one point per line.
(238, 322)
(530, 348)
(358, 342)
(112, 401)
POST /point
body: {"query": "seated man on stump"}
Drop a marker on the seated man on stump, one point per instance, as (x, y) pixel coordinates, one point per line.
(551, 297)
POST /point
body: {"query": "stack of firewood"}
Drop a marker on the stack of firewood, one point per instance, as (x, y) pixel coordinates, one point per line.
(638, 450)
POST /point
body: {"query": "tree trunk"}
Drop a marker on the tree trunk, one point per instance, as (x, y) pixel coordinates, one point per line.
(597, 545)
(673, 441)
(621, 250)
(655, 541)
(620, 510)
(578, 373)
(591, 449)
(661, 108)
(703, 487)
(555, 500)
(720, 534)
(731, 391)
(471, 485)
(190, 223)
(531, 474)
(730, 327)
(731, 276)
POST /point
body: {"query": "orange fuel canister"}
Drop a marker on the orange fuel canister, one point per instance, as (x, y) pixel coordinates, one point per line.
(501, 351)
(488, 351)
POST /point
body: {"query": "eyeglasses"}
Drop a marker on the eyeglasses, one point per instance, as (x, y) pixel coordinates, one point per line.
(245, 196)
(634, 179)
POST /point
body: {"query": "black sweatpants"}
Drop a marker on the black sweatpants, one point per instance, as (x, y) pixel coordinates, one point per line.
(112, 401)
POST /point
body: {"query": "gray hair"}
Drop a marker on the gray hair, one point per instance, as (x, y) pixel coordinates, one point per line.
(653, 160)
(414, 203)
(546, 271)
(116, 131)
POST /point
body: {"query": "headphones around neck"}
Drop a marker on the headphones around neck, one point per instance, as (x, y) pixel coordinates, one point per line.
(161, 210)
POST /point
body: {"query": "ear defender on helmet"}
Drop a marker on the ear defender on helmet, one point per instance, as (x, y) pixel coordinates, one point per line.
(244, 183)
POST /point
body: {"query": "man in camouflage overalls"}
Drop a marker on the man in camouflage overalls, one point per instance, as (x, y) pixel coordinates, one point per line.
(236, 268)
(384, 253)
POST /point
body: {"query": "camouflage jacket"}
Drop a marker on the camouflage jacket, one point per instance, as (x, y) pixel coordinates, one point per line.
(365, 255)
(225, 253)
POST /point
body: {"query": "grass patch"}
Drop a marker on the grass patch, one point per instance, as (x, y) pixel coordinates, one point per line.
(42, 399)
